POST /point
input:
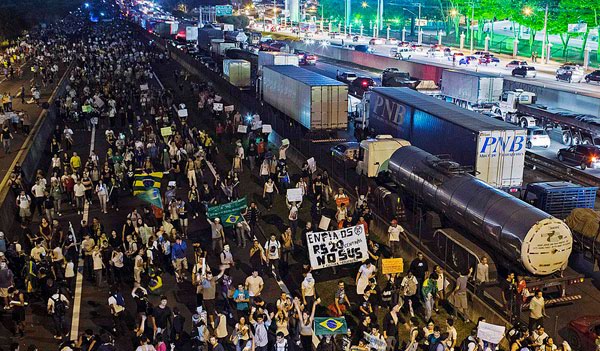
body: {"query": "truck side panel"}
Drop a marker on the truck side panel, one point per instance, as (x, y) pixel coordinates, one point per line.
(501, 157)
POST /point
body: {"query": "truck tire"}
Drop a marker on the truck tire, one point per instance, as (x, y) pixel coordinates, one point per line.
(524, 123)
(573, 339)
(583, 166)
(528, 145)
(586, 141)
(567, 138)
(576, 140)
(561, 158)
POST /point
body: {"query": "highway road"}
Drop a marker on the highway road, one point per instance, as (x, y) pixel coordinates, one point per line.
(545, 75)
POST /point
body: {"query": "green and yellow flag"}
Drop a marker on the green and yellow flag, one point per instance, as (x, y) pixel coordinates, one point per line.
(151, 196)
(330, 325)
(144, 182)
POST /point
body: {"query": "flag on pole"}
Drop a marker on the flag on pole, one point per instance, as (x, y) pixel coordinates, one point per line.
(330, 325)
(151, 196)
(144, 181)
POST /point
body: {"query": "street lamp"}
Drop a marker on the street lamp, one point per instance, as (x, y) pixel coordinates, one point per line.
(419, 33)
(364, 5)
(528, 11)
(471, 23)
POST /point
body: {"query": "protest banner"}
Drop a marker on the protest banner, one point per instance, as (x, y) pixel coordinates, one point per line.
(392, 265)
(490, 332)
(294, 194)
(378, 344)
(266, 128)
(229, 213)
(143, 87)
(229, 108)
(337, 247)
(182, 113)
(330, 325)
(217, 106)
(166, 131)
(312, 164)
(242, 129)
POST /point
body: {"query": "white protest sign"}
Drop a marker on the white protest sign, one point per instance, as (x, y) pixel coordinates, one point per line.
(490, 332)
(294, 194)
(337, 247)
(324, 223)
(257, 125)
(312, 164)
(266, 128)
(218, 98)
(98, 102)
(285, 142)
(229, 108)
(182, 113)
(217, 106)
(375, 343)
(144, 87)
(242, 129)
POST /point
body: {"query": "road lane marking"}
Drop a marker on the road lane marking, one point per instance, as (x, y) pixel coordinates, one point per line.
(79, 282)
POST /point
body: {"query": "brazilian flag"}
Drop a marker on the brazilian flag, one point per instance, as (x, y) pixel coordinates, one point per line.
(144, 181)
(330, 325)
(151, 196)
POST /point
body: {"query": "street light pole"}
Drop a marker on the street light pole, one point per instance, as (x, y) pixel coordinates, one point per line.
(544, 35)
(420, 33)
(471, 23)
(322, 20)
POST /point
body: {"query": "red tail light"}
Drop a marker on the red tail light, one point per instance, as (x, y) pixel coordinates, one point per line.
(365, 83)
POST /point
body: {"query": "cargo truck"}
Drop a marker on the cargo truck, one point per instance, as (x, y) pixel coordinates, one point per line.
(559, 198)
(374, 154)
(218, 47)
(191, 33)
(471, 90)
(237, 72)
(235, 36)
(494, 149)
(317, 102)
(519, 107)
(206, 34)
(271, 58)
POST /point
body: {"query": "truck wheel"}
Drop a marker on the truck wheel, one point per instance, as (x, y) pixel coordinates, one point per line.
(566, 138)
(528, 145)
(587, 80)
(576, 140)
(561, 158)
(587, 141)
(524, 123)
(583, 166)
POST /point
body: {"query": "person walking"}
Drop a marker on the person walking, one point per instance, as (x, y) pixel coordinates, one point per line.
(394, 232)
(6, 137)
(102, 193)
(57, 307)
(537, 311)
(460, 295)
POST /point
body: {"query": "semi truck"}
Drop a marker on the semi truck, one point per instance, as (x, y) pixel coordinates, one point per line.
(393, 77)
(471, 90)
(495, 150)
(374, 154)
(270, 58)
(237, 72)
(241, 54)
(317, 102)
(218, 47)
(191, 33)
(235, 36)
(520, 107)
(206, 34)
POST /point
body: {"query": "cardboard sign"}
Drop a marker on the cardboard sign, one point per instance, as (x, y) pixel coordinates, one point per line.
(337, 247)
(490, 332)
(285, 142)
(182, 113)
(266, 128)
(375, 343)
(392, 265)
(166, 131)
(312, 164)
(229, 108)
(294, 194)
(98, 102)
(324, 223)
(143, 87)
(242, 129)
(257, 125)
(217, 106)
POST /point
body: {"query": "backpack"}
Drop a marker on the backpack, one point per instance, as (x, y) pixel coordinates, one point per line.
(120, 299)
(464, 345)
(60, 308)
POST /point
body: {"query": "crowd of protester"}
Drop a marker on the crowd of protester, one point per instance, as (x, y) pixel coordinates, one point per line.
(111, 91)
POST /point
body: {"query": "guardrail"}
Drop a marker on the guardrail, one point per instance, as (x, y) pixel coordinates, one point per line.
(560, 170)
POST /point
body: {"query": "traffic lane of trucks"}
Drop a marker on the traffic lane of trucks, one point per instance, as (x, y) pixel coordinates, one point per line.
(543, 78)
(330, 69)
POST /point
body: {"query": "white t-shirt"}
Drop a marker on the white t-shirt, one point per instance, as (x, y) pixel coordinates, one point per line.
(272, 249)
(394, 232)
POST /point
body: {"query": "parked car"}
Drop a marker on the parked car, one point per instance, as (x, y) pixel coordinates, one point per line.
(346, 152)
(364, 48)
(376, 41)
(360, 85)
(570, 73)
(516, 63)
(537, 136)
(583, 155)
(456, 56)
(392, 41)
(479, 54)
(435, 53)
(405, 44)
(582, 333)
(403, 53)
(525, 72)
(304, 58)
(346, 77)
(593, 77)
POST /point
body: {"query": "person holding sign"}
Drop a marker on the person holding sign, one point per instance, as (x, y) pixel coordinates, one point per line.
(365, 272)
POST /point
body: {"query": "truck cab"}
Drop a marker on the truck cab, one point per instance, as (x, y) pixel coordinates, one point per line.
(509, 101)
(374, 154)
